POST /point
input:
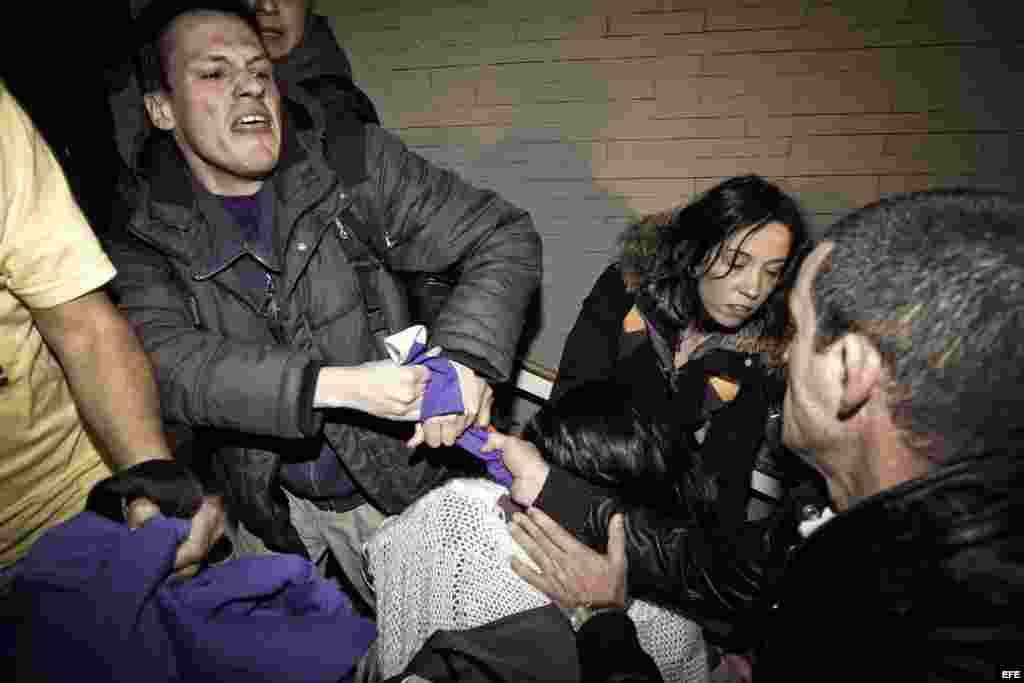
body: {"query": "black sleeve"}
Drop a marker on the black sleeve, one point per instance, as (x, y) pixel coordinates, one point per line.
(609, 651)
(683, 561)
(567, 498)
(592, 347)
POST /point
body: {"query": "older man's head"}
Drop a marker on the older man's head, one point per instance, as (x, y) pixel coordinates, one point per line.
(908, 347)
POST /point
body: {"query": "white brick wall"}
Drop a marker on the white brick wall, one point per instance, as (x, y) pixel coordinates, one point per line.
(591, 112)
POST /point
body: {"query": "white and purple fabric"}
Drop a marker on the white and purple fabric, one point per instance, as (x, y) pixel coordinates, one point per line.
(443, 395)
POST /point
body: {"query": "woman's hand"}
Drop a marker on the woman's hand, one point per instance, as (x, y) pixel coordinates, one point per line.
(528, 469)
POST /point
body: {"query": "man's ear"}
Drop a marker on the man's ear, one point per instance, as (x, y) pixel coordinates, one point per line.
(159, 109)
(862, 372)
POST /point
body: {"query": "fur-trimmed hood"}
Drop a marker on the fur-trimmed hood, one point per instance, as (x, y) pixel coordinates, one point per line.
(637, 246)
(638, 243)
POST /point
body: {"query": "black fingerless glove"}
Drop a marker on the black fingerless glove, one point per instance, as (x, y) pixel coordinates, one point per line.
(168, 483)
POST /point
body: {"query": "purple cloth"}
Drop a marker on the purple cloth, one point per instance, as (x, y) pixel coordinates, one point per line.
(444, 397)
(473, 439)
(99, 596)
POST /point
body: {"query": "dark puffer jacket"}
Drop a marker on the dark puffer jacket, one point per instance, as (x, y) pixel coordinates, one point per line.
(248, 384)
(320, 67)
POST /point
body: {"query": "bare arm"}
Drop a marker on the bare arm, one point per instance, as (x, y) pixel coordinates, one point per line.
(381, 388)
(112, 382)
(109, 375)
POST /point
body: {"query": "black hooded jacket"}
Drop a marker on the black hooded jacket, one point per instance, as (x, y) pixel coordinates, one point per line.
(320, 66)
(922, 582)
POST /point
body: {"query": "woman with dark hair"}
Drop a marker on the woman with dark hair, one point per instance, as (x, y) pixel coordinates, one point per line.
(692, 320)
(690, 326)
(715, 270)
(714, 247)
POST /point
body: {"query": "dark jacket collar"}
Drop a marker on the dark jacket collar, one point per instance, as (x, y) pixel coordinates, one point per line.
(314, 161)
(174, 208)
(926, 524)
(169, 193)
(926, 578)
(231, 246)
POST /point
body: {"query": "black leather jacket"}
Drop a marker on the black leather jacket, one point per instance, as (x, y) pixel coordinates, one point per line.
(922, 582)
(683, 559)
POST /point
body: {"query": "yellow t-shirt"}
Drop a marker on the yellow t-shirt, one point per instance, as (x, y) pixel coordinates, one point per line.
(48, 256)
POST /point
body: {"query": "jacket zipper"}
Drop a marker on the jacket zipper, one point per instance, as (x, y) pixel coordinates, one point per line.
(342, 230)
(271, 308)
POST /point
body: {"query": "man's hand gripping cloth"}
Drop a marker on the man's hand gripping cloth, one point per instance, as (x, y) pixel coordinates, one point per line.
(443, 395)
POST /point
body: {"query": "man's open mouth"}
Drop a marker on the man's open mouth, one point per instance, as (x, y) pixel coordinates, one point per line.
(251, 122)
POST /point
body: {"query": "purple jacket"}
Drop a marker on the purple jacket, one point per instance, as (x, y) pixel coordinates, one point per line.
(100, 605)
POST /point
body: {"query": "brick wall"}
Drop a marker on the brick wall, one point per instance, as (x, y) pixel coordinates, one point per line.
(592, 112)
